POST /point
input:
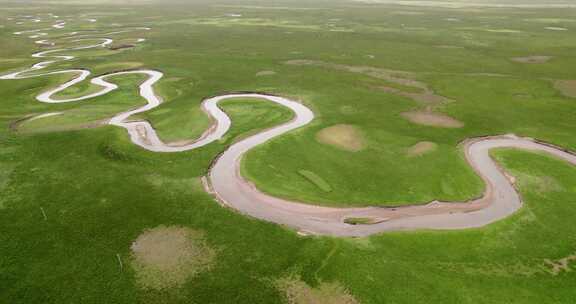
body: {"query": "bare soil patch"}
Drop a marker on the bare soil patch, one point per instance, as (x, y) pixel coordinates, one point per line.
(421, 148)
(345, 137)
(432, 119)
(166, 256)
(298, 292)
(532, 59)
(566, 87)
(265, 73)
(561, 265)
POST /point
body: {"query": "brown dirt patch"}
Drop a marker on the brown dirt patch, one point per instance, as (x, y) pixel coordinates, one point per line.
(345, 137)
(532, 59)
(561, 265)
(432, 119)
(265, 73)
(298, 292)
(566, 87)
(165, 257)
(421, 148)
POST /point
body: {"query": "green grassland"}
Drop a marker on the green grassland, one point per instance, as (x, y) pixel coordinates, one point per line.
(99, 192)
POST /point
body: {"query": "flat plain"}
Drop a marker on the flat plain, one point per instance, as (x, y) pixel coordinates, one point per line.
(395, 90)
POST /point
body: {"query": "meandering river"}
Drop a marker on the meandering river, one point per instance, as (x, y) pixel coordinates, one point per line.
(225, 182)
